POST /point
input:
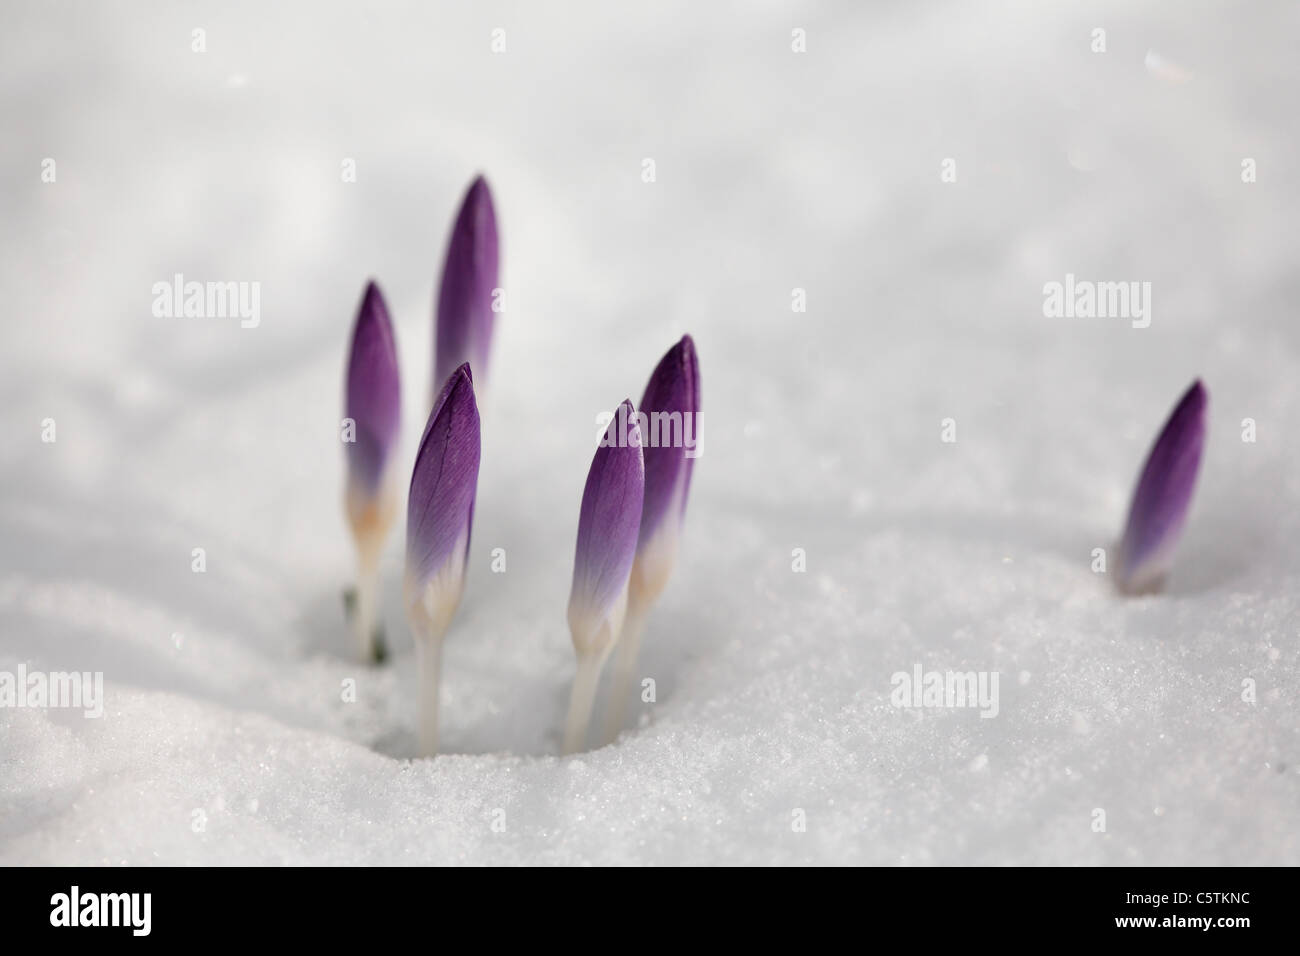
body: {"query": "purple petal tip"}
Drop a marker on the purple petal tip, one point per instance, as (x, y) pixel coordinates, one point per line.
(1163, 495)
(608, 521)
(671, 406)
(470, 273)
(440, 506)
(373, 399)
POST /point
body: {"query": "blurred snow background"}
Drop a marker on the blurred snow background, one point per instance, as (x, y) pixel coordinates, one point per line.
(775, 171)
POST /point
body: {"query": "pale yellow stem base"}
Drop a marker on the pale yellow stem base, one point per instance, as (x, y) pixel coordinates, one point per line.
(629, 645)
(428, 670)
(370, 518)
(583, 697)
(430, 609)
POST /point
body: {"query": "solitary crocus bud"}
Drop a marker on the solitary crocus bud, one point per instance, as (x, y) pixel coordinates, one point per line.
(1163, 496)
(372, 416)
(440, 510)
(607, 531)
(670, 408)
(469, 278)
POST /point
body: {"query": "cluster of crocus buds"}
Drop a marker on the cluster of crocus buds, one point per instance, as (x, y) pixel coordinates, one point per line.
(671, 406)
(440, 503)
(633, 503)
(632, 506)
(632, 510)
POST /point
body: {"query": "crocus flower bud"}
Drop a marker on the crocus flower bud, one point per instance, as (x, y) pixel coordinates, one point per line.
(440, 510)
(372, 417)
(670, 410)
(465, 297)
(1163, 496)
(607, 530)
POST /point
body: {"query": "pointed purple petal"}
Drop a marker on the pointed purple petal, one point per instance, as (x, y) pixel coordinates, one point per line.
(469, 274)
(373, 399)
(671, 404)
(1164, 495)
(609, 518)
(440, 507)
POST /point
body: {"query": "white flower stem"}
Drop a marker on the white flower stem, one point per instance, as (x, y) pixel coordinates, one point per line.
(629, 644)
(430, 608)
(428, 668)
(582, 699)
(363, 619)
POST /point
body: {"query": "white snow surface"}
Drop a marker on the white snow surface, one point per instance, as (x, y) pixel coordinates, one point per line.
(225, 738)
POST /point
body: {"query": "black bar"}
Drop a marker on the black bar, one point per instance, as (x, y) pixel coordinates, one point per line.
(331, 906)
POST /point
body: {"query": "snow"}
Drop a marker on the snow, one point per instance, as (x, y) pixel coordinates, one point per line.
(225, 736)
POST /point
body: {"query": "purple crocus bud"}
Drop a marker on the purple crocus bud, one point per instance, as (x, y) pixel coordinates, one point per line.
(440, 510)
(670, 409)
(607, 532)
(1163, 496)
(465, 297)
(440, 506)
(373, 402)
(372, 417)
